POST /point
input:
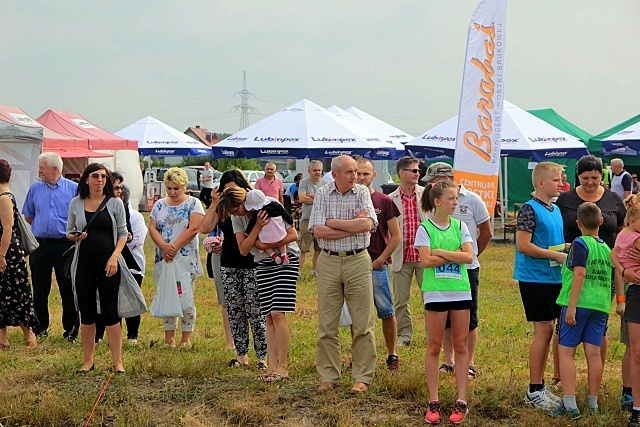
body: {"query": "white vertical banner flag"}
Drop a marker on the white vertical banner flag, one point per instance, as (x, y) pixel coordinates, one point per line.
(476, 160)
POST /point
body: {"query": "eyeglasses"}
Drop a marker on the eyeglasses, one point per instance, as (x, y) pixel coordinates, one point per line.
(117, 187)
(412, 170)
(97, 175)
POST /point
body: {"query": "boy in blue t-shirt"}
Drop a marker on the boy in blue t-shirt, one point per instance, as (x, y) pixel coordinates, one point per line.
(539, 255)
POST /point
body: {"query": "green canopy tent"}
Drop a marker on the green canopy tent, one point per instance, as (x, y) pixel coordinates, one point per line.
(630, 157)
(520, 186)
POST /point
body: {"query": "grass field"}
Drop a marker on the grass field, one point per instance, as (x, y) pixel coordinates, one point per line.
(194, 387)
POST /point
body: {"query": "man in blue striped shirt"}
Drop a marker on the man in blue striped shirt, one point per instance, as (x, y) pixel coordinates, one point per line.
(46, 208)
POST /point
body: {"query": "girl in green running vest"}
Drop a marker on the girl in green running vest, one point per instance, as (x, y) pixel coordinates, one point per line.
(445, 247)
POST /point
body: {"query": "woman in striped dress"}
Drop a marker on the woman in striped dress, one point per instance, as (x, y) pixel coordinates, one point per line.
(276, 282)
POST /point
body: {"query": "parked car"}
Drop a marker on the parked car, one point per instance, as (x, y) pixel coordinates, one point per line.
(288, 181)
(216, 178)
(252, 176)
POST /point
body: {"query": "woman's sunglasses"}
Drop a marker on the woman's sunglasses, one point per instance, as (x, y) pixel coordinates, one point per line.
(97, 175)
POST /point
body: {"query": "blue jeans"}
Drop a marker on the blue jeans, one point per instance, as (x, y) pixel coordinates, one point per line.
(382, 292)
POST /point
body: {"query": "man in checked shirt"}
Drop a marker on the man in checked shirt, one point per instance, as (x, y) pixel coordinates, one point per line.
(405, 259)
(342, 219)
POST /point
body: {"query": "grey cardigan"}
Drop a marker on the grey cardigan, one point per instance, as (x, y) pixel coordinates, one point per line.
(130, 299)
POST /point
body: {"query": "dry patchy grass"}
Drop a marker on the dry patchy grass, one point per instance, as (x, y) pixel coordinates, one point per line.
(194, 387)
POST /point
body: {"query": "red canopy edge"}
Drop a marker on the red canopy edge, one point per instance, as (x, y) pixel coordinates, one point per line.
(73, 153)
(77, 126)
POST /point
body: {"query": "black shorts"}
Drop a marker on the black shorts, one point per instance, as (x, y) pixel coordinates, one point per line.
(632, 309)
(539, 300)
(448, 305)
(474, 281)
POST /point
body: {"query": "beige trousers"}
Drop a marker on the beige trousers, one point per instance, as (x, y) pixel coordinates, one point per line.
(345, 279)
(401, 294)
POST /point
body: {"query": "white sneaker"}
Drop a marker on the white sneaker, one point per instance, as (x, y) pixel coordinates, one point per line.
(553, 397)
(542, 399)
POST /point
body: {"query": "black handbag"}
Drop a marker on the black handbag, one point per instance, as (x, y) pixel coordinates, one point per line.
(67, 256)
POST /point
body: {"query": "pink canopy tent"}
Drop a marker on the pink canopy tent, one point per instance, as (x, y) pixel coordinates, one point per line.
(77, 126)
(68, 147)
(124, 151)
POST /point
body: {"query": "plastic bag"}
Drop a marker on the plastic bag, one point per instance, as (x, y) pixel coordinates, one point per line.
(183, 281)
(166, 301)
(345, 317)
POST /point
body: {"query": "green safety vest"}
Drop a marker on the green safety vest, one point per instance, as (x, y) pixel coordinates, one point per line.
(449, 276)
(606, 176)
(596, 290)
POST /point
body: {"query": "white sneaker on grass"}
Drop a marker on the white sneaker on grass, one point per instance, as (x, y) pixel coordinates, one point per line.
(542, 399)
(553, 397)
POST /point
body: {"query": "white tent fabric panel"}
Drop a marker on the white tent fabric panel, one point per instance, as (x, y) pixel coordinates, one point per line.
(126, 162)
(23, 159)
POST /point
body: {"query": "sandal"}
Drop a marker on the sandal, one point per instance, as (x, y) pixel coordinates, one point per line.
(359, 388)
(274, 378)
(234, 363)
(445, 369)
(472, 372)
(261, 366)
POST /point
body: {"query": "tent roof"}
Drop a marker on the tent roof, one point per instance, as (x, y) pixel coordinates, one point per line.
(67, 146)
(550, 116)
(303, 129)
(392, 132)
(156, 138)
(370, 126)
(12, 128)
(595, 143)
(523, 135)
(75, 125)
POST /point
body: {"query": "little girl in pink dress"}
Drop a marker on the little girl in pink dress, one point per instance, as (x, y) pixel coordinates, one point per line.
(275, 230)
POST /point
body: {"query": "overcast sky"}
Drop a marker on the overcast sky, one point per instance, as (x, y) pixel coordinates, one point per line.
(182, 61)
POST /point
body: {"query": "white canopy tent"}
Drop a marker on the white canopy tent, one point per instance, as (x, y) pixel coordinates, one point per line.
(302, 130)
(393, 133)
(523, 135)
(156, 138)
(381, 166)
(626, 141)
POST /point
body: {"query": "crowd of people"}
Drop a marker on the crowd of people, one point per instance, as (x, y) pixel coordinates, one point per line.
(573, 256)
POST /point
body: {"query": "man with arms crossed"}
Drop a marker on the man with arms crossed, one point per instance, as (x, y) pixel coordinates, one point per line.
(269, 184)
(471, 210)
(384, 241)
(405, 259)
(46, 208)
(342, 219)
(306, 194)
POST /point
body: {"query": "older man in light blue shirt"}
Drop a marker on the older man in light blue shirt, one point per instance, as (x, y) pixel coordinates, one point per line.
(46, 208)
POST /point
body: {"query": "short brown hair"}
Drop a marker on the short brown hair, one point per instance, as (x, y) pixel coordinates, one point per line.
(404, 162)
(589, 215)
